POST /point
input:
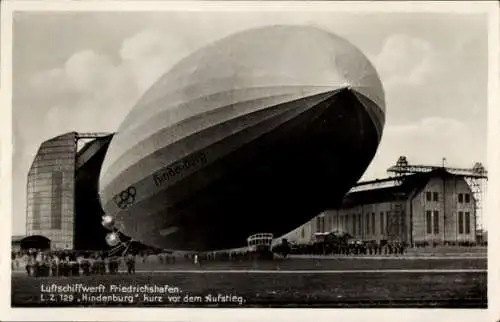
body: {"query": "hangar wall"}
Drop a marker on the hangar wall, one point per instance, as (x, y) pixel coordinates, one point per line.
(440, 211)
(62, 198)
(50, 191)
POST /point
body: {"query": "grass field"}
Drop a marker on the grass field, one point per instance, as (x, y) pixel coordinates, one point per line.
(342, 263)
(346, 282)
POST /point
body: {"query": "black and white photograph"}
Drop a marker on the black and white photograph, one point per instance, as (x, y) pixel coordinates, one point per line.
(250, 157)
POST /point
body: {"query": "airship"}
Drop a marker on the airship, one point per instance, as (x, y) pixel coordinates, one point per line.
(257, 132)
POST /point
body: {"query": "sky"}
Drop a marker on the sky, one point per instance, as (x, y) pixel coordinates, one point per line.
(84, 72)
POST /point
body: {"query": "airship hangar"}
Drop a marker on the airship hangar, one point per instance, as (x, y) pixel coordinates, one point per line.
(63, 209)
(261, 131)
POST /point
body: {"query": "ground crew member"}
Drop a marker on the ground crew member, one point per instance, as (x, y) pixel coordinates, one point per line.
(85, 266)
(30, 264)
(131, 264)
(55, 265)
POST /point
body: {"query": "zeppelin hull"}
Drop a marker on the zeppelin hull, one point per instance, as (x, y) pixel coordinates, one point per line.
(272, 183)
(206, 164)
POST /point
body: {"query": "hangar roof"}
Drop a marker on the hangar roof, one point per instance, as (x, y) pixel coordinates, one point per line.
(390, 189)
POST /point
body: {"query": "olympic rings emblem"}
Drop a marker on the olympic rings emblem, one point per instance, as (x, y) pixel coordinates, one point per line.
(125, 198)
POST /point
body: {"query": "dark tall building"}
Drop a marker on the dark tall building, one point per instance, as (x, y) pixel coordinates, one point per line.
(62, 199)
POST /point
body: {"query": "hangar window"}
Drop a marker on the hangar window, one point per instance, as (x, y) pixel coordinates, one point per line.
(360, 225)
(36, 211)
(381, 223)
(386, 221)
(373, 223)
(435, 196)
(428, 221)
(57, 200)
(460, 222)
(467, 198)
(367, 224)
(302, 233)
(467, 223)
(428, 196)
(460, 197)
(436, 222)
(354, 224)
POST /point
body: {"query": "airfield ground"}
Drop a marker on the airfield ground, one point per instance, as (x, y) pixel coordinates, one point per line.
(409, 281)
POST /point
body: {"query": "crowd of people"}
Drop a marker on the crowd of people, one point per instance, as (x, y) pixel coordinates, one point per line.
(355, 248)
(41, 263)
